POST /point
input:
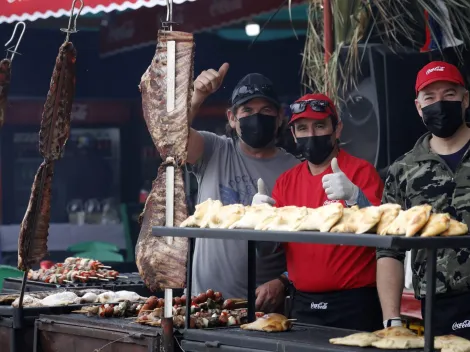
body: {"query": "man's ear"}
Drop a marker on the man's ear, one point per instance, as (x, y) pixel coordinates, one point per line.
(339, 129)
(465, 100)
(231, 118)
(418, 107)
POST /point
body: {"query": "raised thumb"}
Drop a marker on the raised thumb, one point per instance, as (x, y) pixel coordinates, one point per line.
(334, 166)
(262, 187)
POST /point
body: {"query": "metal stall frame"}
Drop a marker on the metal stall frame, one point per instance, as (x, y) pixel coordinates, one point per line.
(430, 244)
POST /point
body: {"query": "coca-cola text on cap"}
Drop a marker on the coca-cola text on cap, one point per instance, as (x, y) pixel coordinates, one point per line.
(438, 71)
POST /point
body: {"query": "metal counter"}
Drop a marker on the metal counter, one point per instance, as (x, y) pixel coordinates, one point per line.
(430, 244)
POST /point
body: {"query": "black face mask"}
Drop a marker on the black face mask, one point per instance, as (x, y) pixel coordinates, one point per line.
(315, 148)
(258, 130)
(443, 118)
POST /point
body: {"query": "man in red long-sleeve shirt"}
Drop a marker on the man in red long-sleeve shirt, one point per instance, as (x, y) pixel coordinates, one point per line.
(333, 285)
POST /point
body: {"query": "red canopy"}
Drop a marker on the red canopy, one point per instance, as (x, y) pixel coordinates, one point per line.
(30, 10)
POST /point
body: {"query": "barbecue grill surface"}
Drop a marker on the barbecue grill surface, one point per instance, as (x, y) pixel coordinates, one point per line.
(301, 338)
(133, 283)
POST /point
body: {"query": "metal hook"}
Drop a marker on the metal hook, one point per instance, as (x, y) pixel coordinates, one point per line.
(169, 16)
(73, 29)
(10, 49)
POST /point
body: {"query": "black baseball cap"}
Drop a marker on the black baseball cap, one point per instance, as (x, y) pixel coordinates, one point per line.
(254, 85)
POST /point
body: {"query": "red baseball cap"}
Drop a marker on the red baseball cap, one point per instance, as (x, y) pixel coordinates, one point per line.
(438, 71)
(308, 113)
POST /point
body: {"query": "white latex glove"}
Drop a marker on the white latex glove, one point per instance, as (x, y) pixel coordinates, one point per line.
(393, 322)
(261, 197)
(337, 185)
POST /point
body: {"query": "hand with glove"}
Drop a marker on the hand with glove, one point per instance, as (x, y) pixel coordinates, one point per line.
(261, 197)
(392, 322)
(337, 185)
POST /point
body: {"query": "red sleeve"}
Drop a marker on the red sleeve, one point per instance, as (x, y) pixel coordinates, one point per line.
(369, 182)
(277, 193)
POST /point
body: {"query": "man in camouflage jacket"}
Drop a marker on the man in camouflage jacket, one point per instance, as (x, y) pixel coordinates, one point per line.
(437, 172)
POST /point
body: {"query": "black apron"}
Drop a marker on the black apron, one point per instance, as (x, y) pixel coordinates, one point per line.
(451, 314)
(355, 309)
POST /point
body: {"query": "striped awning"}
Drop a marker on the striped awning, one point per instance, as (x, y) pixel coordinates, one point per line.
(31, 10)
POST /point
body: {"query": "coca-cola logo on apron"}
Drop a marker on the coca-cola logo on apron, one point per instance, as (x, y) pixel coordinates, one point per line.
(463, 325)
(321, 305)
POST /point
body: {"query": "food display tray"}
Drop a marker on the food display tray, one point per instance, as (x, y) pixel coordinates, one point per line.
(78, 333)
(302, 338)
(347, 239)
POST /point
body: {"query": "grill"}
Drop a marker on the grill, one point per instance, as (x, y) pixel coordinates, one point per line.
(133, 283)
(78, 333)
(302, 338)
(17, 326)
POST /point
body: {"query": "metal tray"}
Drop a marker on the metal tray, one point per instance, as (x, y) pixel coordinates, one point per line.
(368, 240)
(20, 317)
(302, 338)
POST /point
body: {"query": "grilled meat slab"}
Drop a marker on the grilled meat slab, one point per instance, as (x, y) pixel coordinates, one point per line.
(169, 131)
(55, 122)
(32, 247)
(162, 265)
(5, 74)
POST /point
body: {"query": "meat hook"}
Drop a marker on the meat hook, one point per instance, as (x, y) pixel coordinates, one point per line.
(73, 29)
(168, 24)
(10, 49)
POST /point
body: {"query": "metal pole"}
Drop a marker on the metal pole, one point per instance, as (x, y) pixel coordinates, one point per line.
(431, 258)
(167, 335)
(251, 281)
(327, 30)
(189, 278)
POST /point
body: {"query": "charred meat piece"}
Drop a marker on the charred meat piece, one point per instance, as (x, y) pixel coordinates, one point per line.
(5, 74)
(55, 122)
(32, 247)
(162, 265)
(169, 131)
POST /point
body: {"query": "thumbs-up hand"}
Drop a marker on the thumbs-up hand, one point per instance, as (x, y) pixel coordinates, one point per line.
(337, 185)
(261, 197)
(207, 83)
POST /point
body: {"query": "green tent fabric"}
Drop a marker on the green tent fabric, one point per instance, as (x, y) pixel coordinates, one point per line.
(8, 271)
(93, 246)
(102, 255)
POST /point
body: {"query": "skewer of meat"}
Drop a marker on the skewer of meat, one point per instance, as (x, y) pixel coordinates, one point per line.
(85, 263)
(162, 263)
(5, 71)
(82, 263)
(68, 275)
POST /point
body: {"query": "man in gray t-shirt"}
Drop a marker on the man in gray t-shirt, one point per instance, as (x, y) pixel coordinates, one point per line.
(227, 169)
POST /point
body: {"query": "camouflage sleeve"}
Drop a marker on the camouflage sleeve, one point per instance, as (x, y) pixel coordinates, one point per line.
(392, 194)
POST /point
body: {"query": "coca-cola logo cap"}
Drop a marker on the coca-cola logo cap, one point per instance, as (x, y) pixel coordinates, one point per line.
(438, 71)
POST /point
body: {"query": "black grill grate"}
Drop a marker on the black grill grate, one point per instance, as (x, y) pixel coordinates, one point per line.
(133, 283)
